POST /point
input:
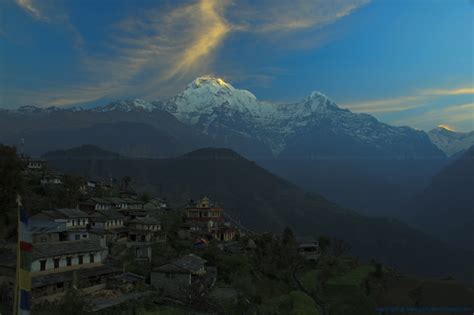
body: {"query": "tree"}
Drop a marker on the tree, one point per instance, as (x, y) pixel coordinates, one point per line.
(126, 180)
(71, 190)
(288, 238)
(378, 270)
(324, 243)
(340, 247)
(145, 197)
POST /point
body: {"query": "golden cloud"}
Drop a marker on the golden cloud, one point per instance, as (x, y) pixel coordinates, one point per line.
(160, 50)
(402, 103)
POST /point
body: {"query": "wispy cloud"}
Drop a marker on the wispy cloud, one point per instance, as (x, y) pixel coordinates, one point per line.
(150, 53)
(278, 16)
(31, 9)
(153, 53)
(406, 102)
(455, 115)
(458, 91)
(52, 12)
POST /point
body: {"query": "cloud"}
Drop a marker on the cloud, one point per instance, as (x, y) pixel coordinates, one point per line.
(161, 48)
(276, 16)
(407, 102)
(51, 12)
(458, 91)
(460, 116)
(395, 104)
(31, 9)
(158, 51)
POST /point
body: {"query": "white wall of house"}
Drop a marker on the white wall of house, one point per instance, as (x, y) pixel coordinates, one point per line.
(36, 264)
(103, 206)
(77, 223)
(77, 236)
(111, 224)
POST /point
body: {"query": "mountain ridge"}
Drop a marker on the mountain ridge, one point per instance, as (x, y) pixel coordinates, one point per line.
(312, 142)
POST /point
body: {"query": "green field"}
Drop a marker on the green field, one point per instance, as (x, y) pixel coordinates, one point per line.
(354, 277)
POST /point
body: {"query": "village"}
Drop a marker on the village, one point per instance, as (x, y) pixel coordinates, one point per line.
(113, 246)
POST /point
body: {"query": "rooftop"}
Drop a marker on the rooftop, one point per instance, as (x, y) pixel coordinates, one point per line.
(38, 226)
(52, 278)
(45, 250)
(145, 220)
(65, 213)
(186, 264)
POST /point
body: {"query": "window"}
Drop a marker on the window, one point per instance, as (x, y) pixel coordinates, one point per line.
(91, 258)
(56, 263)
(77, 237)
(84, 235)
(69, 261)
(81, 259)
(42, 265)
(73, 222)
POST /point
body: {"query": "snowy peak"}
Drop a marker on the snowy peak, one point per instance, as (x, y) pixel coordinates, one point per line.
(126, 106)
(210, 82)
(450, 141)
(208, 86)
(204, 97)
(317, 101)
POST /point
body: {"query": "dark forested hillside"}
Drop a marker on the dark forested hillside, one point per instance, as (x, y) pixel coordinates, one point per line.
(265, 202)
(83, 151)
(446, 207)
(134, 133)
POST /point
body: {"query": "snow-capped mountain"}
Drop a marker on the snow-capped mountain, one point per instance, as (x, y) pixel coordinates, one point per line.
(351, 158)
(126, 106)
(220, 110)
(235, 118)
(450, 141)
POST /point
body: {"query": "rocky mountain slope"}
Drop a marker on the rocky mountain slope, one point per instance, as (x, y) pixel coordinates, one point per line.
(218, 109)
(450, 141)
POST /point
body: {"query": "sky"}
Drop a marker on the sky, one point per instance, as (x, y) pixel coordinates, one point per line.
(407, 62)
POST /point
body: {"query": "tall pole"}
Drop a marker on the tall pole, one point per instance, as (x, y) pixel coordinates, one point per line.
(18, 256)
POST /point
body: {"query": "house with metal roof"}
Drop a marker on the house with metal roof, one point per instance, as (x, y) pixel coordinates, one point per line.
(107, 219)
(73, 218)
(180, 276)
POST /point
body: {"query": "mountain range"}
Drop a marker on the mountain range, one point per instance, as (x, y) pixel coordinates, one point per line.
(350, 158)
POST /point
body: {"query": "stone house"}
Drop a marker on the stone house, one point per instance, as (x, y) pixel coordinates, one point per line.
(146, 229)
(107, 219)
(183, 276)
(308, 247)
(58, 266)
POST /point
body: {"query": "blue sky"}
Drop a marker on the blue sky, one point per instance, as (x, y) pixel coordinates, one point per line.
(408, 62)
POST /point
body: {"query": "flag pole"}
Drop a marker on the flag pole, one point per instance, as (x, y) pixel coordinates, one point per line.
(17, 280)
